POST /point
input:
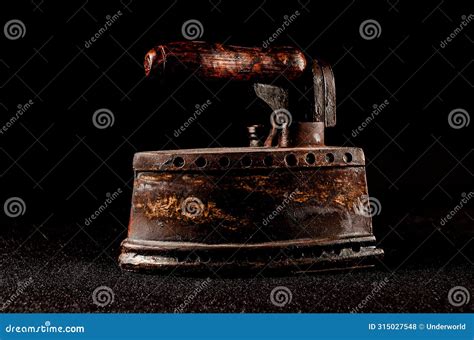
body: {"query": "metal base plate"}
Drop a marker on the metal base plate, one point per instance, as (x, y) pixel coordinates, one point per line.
(289, 257)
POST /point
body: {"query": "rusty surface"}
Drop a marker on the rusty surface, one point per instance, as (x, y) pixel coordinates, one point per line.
(245, 216)
(314, 203)
(217, 61)
(324, 87)
(276, 98)
(311, 134)
(286, 203)
(247, 158)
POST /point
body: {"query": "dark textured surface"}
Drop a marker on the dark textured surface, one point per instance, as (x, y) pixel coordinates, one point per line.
(66, 274)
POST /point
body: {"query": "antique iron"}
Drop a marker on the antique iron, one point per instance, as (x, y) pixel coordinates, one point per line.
(286, 202)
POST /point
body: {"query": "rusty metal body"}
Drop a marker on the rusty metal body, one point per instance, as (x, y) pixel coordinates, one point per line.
(287, 204)
(249, 209)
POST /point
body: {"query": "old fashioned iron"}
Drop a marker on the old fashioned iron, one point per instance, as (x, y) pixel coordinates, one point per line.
(286, 202)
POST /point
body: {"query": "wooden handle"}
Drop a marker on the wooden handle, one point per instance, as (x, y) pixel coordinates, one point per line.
(216, 61)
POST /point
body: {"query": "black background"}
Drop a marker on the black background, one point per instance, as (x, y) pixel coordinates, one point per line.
(62, 166)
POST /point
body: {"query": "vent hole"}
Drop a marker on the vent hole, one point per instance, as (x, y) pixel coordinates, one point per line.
(310, 158)
(329, 158)
(291, 160)
(268, 160)
(178, 162)
(200, 162)
(246, 161)
(347, 157)
(224, 162)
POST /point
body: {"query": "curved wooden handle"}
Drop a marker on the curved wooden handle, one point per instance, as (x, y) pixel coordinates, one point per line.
(216, 61)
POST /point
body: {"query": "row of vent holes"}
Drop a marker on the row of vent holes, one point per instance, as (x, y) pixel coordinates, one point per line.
(246, 161)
